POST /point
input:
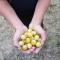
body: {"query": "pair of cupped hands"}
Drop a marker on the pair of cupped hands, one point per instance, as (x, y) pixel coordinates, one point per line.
(19, 31)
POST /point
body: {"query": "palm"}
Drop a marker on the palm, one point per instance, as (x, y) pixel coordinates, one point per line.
(41, 32)
(18, 34)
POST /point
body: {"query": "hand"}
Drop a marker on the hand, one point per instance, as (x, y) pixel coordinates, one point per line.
(41, 32)
(17, 36)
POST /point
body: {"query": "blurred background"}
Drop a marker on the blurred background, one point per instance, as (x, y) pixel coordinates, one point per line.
(51, 49)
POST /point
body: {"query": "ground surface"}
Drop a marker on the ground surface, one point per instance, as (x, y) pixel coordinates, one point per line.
(51, 49)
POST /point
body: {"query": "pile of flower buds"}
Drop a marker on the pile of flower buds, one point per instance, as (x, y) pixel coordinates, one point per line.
(29, 39)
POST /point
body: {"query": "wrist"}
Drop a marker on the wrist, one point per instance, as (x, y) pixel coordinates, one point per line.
(36, 21)
(34, 25)
(19, 27)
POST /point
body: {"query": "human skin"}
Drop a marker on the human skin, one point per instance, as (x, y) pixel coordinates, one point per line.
(41, 7)
(8, 12)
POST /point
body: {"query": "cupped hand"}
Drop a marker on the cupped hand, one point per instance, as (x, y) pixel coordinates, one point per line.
(19, 31)
(17, 37)
(38, 28)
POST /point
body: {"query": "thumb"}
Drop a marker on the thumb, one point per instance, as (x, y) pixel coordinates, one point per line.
(16, 38)
(17, 35)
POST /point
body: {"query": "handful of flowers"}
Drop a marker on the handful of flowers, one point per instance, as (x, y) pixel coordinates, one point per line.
(29, 39)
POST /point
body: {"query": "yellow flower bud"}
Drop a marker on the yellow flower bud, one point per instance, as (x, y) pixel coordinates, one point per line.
(23, 37)
(28, 40)
(26, 33)
(33, 42)
(38, 44)
(29, 30)
(24, 47)
(29, 34)
(36, 37)
(23, 40)
(33, 32)
(21, 43)
(29, 45)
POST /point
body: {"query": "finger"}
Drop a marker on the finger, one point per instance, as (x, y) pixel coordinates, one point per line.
(16, 38)
(36, 51)
(32, 49)
(43, 37)
(27, 52)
